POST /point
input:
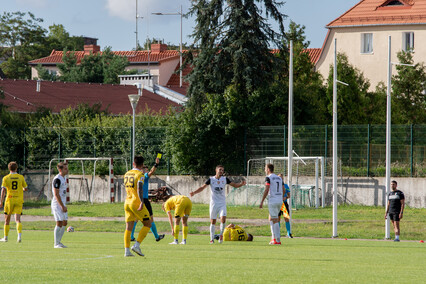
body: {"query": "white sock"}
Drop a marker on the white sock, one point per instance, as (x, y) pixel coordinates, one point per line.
(127, 250)
(19, 235)
(277, 234)
(56, 234)
(61, 233)
(137, 244)
(397, 237)
(271, 224)
(222, 228)
(212, 232)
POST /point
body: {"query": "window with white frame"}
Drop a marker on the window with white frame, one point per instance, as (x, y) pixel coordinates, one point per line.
(408, 41)
(367, 43)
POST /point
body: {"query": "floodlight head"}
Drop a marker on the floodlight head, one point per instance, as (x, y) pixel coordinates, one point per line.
(134, 99)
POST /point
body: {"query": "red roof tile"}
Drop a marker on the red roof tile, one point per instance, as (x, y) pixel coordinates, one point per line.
(21, 96)
(377, 12)
(133, 56)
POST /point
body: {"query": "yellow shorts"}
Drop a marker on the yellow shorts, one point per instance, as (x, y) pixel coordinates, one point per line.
(132, 214)
(12, 207)
(184, 207)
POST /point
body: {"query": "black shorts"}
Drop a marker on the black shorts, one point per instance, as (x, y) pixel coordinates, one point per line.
(286, 206)
(148, 205)
(394, 216)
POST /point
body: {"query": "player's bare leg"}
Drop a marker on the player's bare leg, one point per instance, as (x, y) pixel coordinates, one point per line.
(396, 230)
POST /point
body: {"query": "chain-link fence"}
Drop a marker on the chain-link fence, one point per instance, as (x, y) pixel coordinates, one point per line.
(361, 148)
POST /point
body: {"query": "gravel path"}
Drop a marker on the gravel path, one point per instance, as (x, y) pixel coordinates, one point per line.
(255, 222)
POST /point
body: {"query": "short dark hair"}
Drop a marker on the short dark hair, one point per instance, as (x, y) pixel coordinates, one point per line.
(61, 165)
(219, 166)
(138, 160)
(270, 167)
(13, 166)
(249, 237)
(394, 181)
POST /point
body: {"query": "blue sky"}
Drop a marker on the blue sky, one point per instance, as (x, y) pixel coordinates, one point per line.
(113, 21)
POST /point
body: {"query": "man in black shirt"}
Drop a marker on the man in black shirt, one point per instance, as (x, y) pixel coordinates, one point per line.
(395, 208)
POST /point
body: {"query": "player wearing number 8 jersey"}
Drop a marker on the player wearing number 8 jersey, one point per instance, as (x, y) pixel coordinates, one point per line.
(274, 190)
(134, 208)
(13, 186)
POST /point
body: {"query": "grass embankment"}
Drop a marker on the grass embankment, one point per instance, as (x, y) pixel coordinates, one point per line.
(363, 222)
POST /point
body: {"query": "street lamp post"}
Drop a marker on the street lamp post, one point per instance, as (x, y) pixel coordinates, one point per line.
(180, 47)
(134, 99)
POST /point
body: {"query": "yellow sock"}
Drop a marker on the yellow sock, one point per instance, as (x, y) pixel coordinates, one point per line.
(6, 230)
(176, 232)
(185, 232)
(19, 227)
(142, 234)
(127, 238)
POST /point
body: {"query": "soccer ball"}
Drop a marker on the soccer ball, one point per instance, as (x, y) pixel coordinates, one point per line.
(70, 229)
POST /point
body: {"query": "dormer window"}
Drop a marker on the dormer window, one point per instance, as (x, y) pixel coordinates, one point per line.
(394, 3)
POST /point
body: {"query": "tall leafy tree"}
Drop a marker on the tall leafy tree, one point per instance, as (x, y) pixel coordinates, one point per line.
(352, 99)
(94, 68)
(232, 69)
(23, 39)
(408, 91)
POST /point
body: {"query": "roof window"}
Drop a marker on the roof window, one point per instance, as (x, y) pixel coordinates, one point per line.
(394, 3)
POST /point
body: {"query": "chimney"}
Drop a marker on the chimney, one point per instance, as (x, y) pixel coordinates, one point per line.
(38, 86)
(158, 47)
(91, 48)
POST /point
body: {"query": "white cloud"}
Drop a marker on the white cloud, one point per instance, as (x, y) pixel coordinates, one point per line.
(125, 9)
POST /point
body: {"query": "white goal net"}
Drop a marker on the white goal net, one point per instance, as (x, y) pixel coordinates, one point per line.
(306, 190)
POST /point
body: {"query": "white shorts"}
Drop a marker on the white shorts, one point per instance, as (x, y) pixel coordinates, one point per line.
(274, 209)
(59, 214)
(217, 209)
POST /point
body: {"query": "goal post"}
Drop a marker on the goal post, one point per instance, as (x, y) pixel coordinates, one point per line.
(308, 178)
(90, 191)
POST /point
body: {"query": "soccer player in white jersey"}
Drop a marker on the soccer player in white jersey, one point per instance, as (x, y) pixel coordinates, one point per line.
(274, 190)
(59, 202)
(218, 199)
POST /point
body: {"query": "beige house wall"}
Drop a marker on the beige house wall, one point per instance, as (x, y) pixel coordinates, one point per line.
(34, 72)
(373, 66)
(166, 70)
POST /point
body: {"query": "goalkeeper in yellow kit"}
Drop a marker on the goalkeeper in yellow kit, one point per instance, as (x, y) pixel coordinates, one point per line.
(134, 208)
(182, 206)
(234, 232)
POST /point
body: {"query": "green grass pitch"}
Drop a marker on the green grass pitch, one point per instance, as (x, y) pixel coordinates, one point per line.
(93, 257)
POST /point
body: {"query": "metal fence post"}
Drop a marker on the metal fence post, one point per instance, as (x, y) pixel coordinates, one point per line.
(411, 150)
(368, 150)
(25, 158)
(326, 146)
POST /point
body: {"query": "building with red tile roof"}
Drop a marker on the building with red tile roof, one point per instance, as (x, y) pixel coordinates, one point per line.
(363, 32)
(22, 96)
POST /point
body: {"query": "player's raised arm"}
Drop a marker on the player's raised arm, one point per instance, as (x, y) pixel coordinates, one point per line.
(154, 167)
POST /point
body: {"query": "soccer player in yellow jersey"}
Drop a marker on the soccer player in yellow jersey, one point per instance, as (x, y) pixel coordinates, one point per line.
(182, 206)
(134, 208)
(234, 232)
(13, 186)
